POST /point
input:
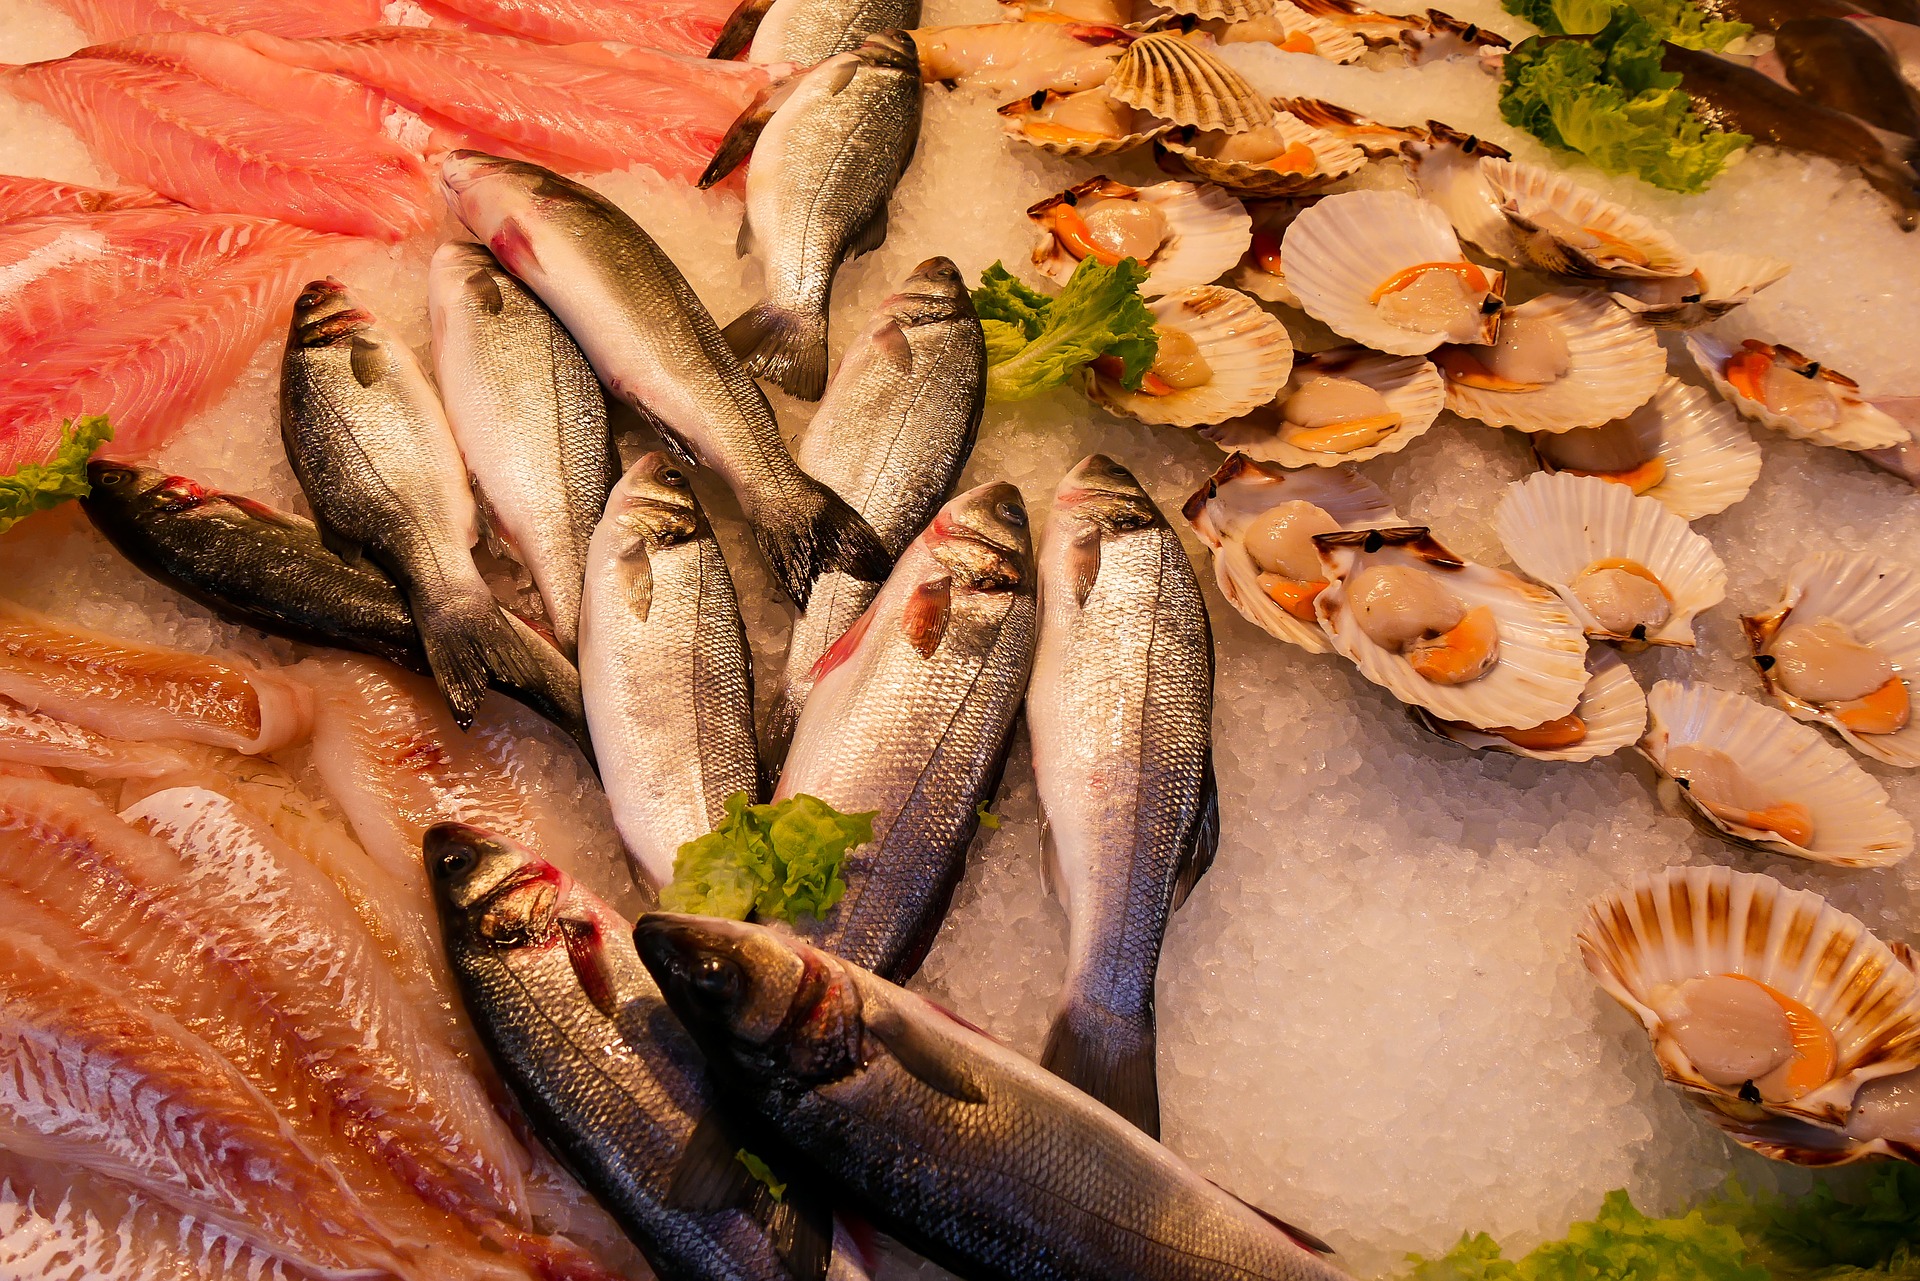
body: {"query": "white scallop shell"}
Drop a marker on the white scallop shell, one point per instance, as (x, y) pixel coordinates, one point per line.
(1176, 79)
(1853, 824)
(1711, 461)
(1273, 216)
(1011, 124)
(1374, 139)
(1410, 385)
(1616, 364)
(1879, 602)
(1555, 525)
(1376, 28)
(1343, 248)
(1285, 21)
(1444, 36)
(1216, 10)
(1526, 193)
(1207, 232)
(1446, 170)
(1247, 349)
(1334, 158)
(1696, 922)
(1541, 669)
(1719, 283)
(1244, 488)
(1861, 425)
(1612, 705)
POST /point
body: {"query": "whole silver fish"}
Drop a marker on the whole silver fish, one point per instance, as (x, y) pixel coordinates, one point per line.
(655, 347)
(372, 449)
(529, 417)
(804, 32)
(892, 436)
(911, 716)
(825, 163)
(664, 668)
(1120, 712)
(946, 1139)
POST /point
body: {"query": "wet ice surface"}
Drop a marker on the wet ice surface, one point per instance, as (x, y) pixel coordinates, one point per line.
(1373, 1018)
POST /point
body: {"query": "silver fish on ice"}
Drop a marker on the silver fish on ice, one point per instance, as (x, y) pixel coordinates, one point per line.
(805, 32)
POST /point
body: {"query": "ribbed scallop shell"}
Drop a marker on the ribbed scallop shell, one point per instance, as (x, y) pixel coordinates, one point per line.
(1340, 250)
(1446, 170)
(1554, 526)
(1785, 1138)
(1697, 922)
(1207, 232)
(1271, 217)
(1711, 461)
(1860, 426)
(1217, 10)
(1542, 660)
(1616, 364)
(1244, 488)
(1247, 349)
(1177, 80)
(1327, 40)
(1410, 385)
(1853, 824)
(1333, 157)
(1375, 139)
(1376, 28)
(1526, 194)
(1879, 602)
(1612, 705)
(1719, 283)
(1013, 114)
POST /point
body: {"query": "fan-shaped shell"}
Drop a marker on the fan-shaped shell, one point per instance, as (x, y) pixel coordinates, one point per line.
(1017, 118)
(1701, 922)
(1410, 385)
(1376, 28)
(1860, 425)
(1541, 669)
(1853, 824)
(1446, 170)
(1612, 707)
(1719, 283)
(1555, 525)
(1207, 231)
(1293, 30)
(1615, 365)
(1877, 601)
(1175, 79)
(1373, 138)
(1333, 159)
(1247, 350)
(1708, 461)
(1243, 489)
(1342, 250)
(1217, 10)
(1541, 204)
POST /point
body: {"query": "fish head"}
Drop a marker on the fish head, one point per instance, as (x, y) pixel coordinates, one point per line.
(462, 274)
(893, 50)
(654, 502)
(142, 488)
(933, 294)
(489, 888)
(981, 538)
(1104, 494)
(502, 201)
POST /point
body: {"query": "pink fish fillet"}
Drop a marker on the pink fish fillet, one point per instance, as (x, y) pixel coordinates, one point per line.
(679, 26)
(579, 107)
(117, 19)
(41, 197)
(207, 121)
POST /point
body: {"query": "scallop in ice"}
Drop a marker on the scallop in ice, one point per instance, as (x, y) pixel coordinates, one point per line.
(1611, 714)
(1792, 393)
(1284, 156)
(1561, 360)
(1183, 234)
(1342, 405)
(1220, 356)
(1683, 448)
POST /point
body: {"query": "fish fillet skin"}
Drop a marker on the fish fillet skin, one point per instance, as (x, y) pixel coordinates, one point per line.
(40, 197)
(584, 108)
(678, 26)
(91, 1078)
(207, 121)
(143, 692)
(118, 19)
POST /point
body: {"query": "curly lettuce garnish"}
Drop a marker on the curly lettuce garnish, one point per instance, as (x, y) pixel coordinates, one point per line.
(1036, 342)
(779, 861)
(37, 486)
(1678, 21)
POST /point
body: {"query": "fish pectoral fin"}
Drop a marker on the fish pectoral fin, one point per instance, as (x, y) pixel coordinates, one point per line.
(742, 23)
(925, 618)
(585, 945)
(1202, 839)
(668, 440)
(636, 579)
(890, 340)
(368, 359)
(1299, 1236)
(1083, 563)
(709, 1176)
(339, 544)
(923, 1057)
(486, 291)
(744, 242)
(871, 236)
(1050, 876)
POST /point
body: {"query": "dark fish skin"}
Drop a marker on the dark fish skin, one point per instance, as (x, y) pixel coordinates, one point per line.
(268, 569)
(989, 1165)
(1839, 64)
(1768, 15)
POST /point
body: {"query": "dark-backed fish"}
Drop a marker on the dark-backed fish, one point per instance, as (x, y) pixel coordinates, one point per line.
(1838, 63)
(805, 32)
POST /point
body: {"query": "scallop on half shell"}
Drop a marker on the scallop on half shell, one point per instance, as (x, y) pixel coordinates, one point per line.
(1176, 79)
(1182, 234)
(1281, 157)
(1376, 140)
(1683, 448)
(1342, 405)
(1291, 29)
(1220, 356)
(1791, 393)
(1630, 570)
(1089, 122)
(1718, 283)
(1259, 519)
(1563, 360)
(1563, 227)
(1612, 714)
(1446, 169)
(1842, 648)
(1757, 777)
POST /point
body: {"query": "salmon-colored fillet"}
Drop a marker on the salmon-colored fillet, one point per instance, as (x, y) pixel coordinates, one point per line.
(117, 19)
(39, 197)
(679, 26)
(205, 120)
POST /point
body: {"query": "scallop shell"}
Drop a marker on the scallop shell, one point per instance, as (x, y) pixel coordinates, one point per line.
(1207, 232)
(1247, 349)
(1177, 80)
(1270, 217)
(1328, 40)
(1525, 194)
(1444, 36)
(1719, 283)
(1711, 461)
(1695, 922)
(1333, 158)
(1373, 138)
(1612, 705)
(1217, 10)
(1012, 113)
(1377, 29)
(1879, 602)
(1446, 170)
(1343, 248)
(1860, 426)
(1242, 489)
(1790, 1139)
(1554, 525)
(1853, 825)
(1410, 385)
(1616, 364)
(1542, 664)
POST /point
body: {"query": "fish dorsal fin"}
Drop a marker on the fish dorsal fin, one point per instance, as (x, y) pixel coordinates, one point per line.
(368, 359)
(742, 23)
(1202, 839)
(924, 1057)
(925, 618)
(709, 1176)
(870, 236)
(1299, 1236)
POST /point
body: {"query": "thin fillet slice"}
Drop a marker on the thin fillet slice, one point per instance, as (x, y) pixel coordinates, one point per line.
(678, 26)
(118, 19)
(34, 738)
(40, 197)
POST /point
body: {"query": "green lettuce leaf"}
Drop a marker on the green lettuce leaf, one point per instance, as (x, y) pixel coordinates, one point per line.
(762, 1173)
(1679, 21)
(781, 861)
(37, 486)
(1036, 343)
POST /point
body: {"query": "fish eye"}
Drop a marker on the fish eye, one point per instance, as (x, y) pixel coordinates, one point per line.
(715, 981)
(674, 476)
(455, 862)
(1013, 514)
(108, 477)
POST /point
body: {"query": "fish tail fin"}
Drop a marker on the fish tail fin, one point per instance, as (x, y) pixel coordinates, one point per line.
(739, 31)
(784, 344)
(471, 645)
(555, 693)
(1114, 1059)
(804, 539)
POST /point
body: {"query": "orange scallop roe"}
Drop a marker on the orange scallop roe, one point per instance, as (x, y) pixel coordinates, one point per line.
(1884, 711)
(1475, 278)
(1462, 653)
(1564, 731)
(1292, 595)
(1816, 1055)
(1639, 479)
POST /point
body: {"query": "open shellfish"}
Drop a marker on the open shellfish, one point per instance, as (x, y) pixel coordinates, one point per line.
(1220, 356)
(1683, 448)
(1088, 123)
(1176, 79)
(1281, 157)
(1789, 392)
(1343, 405)
(1260, 520)
(1291, 29)
(1757, 777)
(1560, 361)
(1261, 271)
(1612, 714)
(1629, 569)
(1718, 283)
(1374, 139)
(1215, 10)
(1446, 168)
(1562, 226)
(1183, 235)
(1842, 648)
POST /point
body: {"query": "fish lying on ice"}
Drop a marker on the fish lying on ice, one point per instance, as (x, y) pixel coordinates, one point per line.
(22, 198)
(805, 32)
(946, 1139)
(678, 26)
(826, 161)
(105, 20)
(892, 437)
(911, 716)
(665, 668)
(657, 349)
(1840, 64)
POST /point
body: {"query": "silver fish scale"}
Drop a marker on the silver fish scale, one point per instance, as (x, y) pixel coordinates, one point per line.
(811, 31)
